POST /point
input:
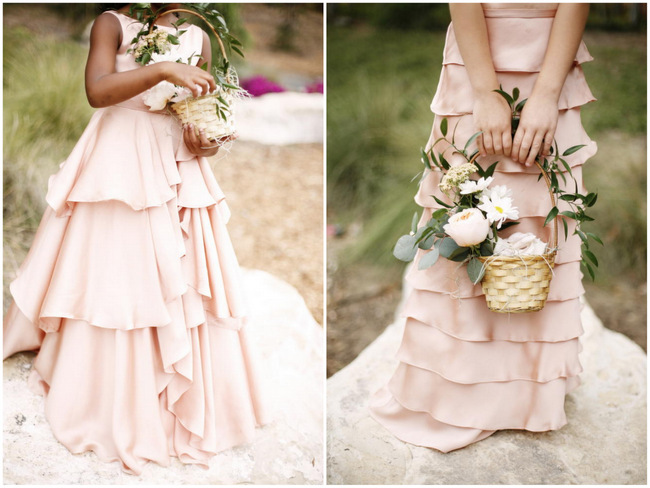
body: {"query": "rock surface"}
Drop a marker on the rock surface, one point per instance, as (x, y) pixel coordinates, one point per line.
(603, 443)
(289, 450)
(281, 118)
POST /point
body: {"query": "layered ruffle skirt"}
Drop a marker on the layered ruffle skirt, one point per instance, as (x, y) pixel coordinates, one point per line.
(131, 294)
(466, 372)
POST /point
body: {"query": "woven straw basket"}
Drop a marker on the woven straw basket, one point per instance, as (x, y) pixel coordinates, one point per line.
(202, 111)
(518, 284)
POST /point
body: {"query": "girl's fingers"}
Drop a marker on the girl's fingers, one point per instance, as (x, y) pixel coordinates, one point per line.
(205, 143)
(516, 145)
(506, 139)
(479, 145)
(524, 149)
(535, 149)
(497, 141)
(487, 143)
(191, 140)
(548, 140)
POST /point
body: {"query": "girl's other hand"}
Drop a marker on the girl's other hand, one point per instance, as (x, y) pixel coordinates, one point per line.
(198, 81)
(536, 129)
(200, 145)
(493, 117)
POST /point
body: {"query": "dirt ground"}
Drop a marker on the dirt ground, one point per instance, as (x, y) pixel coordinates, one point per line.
(275, 194)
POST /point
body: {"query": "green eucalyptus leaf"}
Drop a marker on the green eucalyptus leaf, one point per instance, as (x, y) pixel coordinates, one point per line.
(438, 214)
(425, 158)
(487, 248)
(583, 237)
(475, 270)
(427, 242)
(440, 202)
(590, 270)
(566, 166)
(595, 238)
(510, 223)
(520, 106)
(490, 171)
(443, 126)
(591, 199)
(506, 96)
(568, 197)
(443, 162)
(459, 255)
(414, 222)
(591, 256)
(573, 149)
(429, 259)
(515, 94)
(405, 248)
(237, 50)
(447, 246)
(551, 215)
(570, 214)
(471, 140)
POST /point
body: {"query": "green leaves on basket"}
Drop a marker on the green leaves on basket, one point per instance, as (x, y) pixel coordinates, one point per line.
(148, 42)
(555, 169)
(556, 166)
(475, 270)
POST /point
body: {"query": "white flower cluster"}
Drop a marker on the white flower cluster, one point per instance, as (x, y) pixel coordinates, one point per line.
(457, 175)
(155, 42)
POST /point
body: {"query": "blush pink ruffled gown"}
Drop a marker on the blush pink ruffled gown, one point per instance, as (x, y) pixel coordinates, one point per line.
(131, 294)
(466, 372)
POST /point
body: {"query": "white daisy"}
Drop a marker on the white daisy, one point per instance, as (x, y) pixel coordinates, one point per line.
(471, 186)
(501, 191)
(498, 209)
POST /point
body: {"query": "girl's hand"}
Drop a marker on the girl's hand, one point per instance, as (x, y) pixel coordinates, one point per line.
(536, 129)
(198, 81)
(493, 117)
(200, 145)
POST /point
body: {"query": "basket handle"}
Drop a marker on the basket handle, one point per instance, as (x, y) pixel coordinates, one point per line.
(547, 179)
(164, 12)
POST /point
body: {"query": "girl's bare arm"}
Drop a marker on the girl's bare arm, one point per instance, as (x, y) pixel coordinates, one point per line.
(539, 117)
(105, 86)
(492, 114)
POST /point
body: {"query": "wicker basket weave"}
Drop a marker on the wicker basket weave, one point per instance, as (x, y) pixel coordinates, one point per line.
(518, 284)
(202, 111)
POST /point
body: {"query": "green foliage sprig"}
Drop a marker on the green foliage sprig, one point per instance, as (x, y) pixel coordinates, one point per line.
(577, 201)
(222, 68)
(432, 236)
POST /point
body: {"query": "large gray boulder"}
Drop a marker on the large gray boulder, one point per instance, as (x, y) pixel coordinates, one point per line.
(287, 451)
(604, 442)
